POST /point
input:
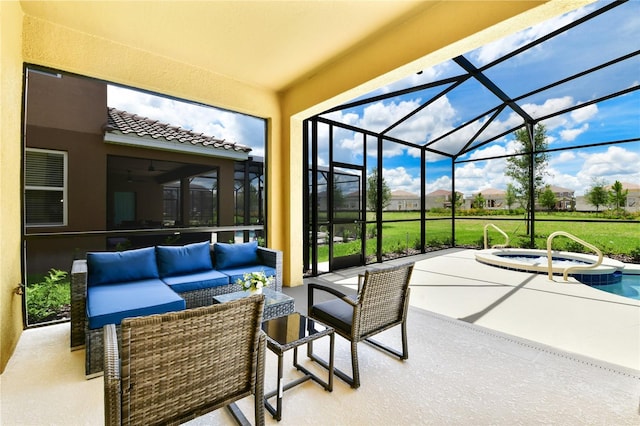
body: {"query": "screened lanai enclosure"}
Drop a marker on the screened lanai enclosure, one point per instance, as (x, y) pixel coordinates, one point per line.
(517, 133)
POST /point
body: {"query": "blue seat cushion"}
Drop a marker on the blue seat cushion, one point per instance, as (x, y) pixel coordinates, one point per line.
(121, 266)
(233, 255)
(196, 281)
(179, 260)
(111, 303)
(335, 312)
(237, 273)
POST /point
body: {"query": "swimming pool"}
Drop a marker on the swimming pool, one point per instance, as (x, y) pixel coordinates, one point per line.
(628, 286)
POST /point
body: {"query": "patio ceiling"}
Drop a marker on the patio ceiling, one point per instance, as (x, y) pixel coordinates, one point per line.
(580, 62)
(266, 43)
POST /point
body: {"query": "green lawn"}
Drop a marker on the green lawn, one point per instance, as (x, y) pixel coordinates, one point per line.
(610, 237)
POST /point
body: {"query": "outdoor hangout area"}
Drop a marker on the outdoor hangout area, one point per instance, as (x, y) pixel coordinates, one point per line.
(349, 212)
(485, 345)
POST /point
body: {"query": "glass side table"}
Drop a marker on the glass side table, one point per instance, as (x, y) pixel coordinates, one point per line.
(276, 304)
(289, 332)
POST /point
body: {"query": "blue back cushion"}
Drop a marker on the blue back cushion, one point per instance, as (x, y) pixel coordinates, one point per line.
(178, 260)
(121, 266)
(232, 255)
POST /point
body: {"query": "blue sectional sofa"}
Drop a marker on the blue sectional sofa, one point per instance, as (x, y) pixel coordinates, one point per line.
(110, 286)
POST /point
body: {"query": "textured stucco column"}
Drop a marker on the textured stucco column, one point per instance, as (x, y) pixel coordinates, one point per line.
(10, 164)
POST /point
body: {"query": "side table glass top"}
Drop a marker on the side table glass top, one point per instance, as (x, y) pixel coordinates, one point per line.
(293, 329)
(271, 297)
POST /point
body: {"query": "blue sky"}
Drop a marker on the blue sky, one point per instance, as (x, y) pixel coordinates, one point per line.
(609, 36)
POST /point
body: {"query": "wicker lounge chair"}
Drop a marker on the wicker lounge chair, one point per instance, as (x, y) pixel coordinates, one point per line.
(381, 303)
(178, 366)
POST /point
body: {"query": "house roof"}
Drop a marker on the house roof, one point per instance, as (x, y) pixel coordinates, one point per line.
(626, 185)
(125, 123)
(440, 192)
(555, 188)
(492, 191)
(403, 194)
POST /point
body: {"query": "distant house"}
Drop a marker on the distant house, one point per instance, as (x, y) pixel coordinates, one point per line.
(565, 198)
(633, 199)
(493, 199)
(403, 201)
(440, 198)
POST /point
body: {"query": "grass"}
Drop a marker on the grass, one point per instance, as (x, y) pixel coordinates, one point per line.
(401, 237)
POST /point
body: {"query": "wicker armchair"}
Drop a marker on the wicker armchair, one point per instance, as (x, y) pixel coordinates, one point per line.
(178, 366)
(381, 303)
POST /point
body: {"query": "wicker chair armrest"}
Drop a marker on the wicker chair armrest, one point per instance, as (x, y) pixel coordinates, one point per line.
(78, 302)
(325, 288)
(272, 258)
(112, 380)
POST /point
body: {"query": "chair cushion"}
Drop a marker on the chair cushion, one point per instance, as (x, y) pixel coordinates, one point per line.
(334, 312)
(233, 255)
(196, 281)
(177, 260)
(121, 266)
(111, 303)
(237, 273)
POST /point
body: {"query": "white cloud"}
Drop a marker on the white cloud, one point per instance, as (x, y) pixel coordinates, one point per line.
(442, 182)
(564, 157)
(571, 134)
(549, 106)
(584, 113)
(492, 51)
(399, 179)
(616, 162)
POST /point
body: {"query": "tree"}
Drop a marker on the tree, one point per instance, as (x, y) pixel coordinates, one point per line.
(479, 201)
(597, 195)
(548, 198)
(510, 196)
(456, 200)
(372, 192)
(618, 195)
(529, 157)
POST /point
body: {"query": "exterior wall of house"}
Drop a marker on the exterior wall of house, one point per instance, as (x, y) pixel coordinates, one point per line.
(441, 31)
(68, 114)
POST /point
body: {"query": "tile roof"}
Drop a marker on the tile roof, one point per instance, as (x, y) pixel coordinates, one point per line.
(492, 191)
(403, 194)
(127, 123)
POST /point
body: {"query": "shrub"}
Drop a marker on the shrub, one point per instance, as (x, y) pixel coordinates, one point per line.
(574, 246)
(635, 254)
(47, 298)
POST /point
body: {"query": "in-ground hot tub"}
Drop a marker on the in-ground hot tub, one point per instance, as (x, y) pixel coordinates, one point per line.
(532, 260)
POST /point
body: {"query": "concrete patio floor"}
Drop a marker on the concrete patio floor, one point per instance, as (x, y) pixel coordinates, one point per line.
(487, 346)
(565, 315)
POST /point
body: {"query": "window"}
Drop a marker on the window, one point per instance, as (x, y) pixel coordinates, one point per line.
(45, 189)
(203, 193)
(171, 209)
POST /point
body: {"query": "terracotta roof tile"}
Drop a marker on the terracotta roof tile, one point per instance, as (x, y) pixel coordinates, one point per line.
(127, 123)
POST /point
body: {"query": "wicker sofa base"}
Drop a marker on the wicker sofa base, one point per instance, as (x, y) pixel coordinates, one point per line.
(91, 340)
(94, 345)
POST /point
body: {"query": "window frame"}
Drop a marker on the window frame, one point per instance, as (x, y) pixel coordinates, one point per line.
(63, 189)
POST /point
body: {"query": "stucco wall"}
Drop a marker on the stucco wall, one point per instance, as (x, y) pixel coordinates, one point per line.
(10, 154)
